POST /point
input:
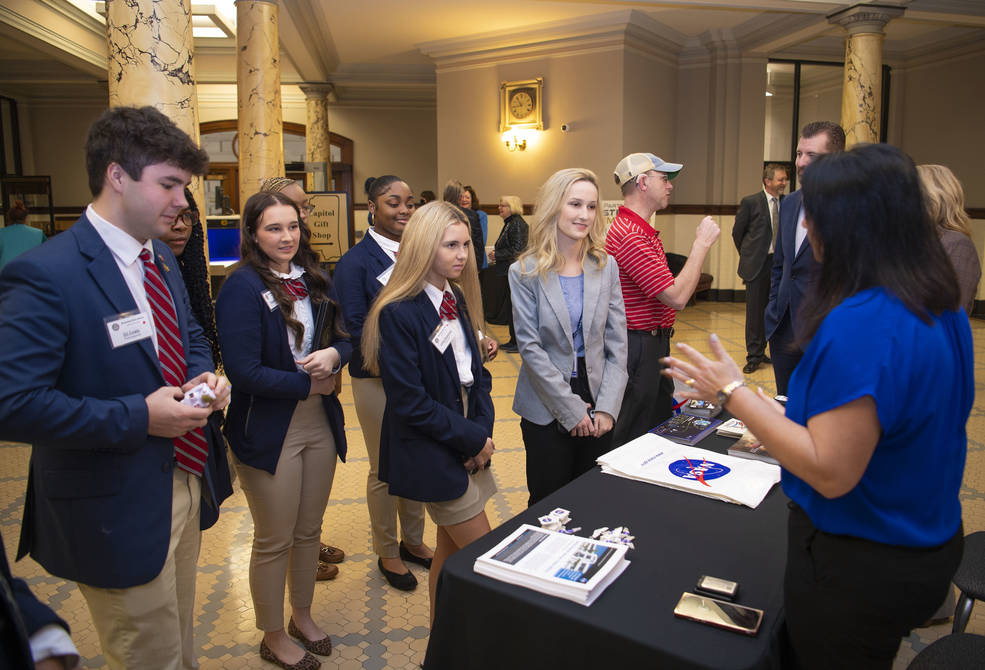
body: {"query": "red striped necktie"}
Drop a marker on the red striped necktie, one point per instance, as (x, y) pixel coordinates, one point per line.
(448, 309)
(190, 450)
(295, 288)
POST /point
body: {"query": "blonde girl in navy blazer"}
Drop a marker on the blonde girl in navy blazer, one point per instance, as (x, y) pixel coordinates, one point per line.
(285, 424)
(436, 441)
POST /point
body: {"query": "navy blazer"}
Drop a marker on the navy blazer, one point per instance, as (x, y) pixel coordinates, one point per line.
(98, 502)
(266, 383)
(793, 270)
(752, 234)
(357, 285)
(426, 436)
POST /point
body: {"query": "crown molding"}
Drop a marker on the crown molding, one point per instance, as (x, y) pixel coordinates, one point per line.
(92, 62)
(601, 32)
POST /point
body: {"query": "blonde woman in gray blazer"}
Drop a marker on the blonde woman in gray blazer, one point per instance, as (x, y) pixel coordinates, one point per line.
(571, 330)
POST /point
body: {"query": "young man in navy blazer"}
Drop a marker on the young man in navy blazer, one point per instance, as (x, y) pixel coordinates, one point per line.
(112, 497)
(794, 267)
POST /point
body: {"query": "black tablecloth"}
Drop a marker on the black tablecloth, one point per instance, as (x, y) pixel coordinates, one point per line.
(484, 623)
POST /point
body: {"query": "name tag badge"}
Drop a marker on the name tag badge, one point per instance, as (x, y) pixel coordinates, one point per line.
(269, 298)
(128, 327)
(384, 276)
(441, 337)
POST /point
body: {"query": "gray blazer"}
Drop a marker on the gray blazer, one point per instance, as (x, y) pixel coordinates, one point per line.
(543, 334)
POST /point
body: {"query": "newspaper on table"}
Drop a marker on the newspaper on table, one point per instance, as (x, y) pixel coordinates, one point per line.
(565, 566)
(654, 459)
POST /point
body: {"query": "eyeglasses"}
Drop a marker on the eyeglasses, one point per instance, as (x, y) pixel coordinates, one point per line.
(185, 217)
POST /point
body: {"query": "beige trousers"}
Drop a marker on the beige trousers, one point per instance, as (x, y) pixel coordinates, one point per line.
(287, 509)
(151, 626)
(384, 508)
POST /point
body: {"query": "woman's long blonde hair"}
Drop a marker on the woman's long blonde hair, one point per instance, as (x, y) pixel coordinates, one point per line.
(418, 246)
(943, 198)
(542, 245)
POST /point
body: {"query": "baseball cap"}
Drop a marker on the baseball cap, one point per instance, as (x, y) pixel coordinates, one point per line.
(634, 165)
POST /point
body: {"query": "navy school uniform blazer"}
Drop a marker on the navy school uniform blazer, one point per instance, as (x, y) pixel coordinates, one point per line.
(98, 503)
(266, 383)
(357, 285)
(426, 436)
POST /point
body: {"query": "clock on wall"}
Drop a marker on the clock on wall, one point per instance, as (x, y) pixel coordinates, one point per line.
(521, 104)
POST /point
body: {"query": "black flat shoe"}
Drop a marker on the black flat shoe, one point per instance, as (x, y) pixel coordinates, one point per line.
(408, 557)
(403, 582)
(510, 348)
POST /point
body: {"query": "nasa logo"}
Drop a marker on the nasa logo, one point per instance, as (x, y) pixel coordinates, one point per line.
(702, 471)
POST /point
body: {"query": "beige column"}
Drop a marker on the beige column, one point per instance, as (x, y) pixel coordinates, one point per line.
(261, 127)
(861, 95)
(317, 145)
(151, 62)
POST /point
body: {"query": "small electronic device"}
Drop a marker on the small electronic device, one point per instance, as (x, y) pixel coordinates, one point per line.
(718, 613)
(722, 588)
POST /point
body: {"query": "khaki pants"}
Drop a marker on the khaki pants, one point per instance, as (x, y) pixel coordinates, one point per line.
(151, 626)
(287, 509)
(384, 508)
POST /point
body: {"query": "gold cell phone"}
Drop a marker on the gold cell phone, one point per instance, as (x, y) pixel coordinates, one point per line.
(719, 613)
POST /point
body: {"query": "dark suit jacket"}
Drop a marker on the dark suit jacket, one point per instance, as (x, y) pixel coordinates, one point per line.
(21, 615)
(426, 436)
(356, 284)
(794, 270)
(98, 502)
(752, 234)
(267, 384)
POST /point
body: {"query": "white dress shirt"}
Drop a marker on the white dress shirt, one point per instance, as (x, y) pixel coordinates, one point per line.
(302, 314)
(463, 355)
(389, 247)
(126, 252)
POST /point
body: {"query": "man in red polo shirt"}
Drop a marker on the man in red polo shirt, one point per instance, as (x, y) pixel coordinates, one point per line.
(652, 294)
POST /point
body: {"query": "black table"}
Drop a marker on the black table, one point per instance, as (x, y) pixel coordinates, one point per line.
(483, 623)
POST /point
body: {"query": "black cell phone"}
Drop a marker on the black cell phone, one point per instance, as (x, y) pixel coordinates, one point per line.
(718, 613)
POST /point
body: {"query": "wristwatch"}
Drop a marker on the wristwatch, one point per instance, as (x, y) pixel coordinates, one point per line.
(726, 392)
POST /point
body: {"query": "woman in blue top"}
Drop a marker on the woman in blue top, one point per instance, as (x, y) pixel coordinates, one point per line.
(570, 325)
(282, 345)
(873, 442)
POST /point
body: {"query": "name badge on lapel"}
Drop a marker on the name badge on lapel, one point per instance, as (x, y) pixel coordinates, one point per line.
(269, 298)
(441, 337)
(384, 276)
(128, 327)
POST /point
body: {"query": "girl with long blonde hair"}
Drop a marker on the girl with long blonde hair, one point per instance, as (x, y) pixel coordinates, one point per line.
(422, 337)
(571, 330)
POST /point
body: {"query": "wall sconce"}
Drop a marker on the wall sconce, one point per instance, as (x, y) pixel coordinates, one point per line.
(514, 142)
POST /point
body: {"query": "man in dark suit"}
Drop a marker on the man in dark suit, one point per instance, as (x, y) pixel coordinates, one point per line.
(99, 348)
(754, 233)
(794, 266)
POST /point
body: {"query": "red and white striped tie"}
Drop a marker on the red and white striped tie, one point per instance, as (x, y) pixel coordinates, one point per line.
(190, 450)
(448, 310)
(295, 288)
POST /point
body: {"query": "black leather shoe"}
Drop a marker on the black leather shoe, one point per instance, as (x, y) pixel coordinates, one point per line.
(766, 359)
(408, 557)
(750, 368)
(403, 582)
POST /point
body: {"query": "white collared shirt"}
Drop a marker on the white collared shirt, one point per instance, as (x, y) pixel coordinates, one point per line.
(801, 230)
(126, 252)
(463, 355)
(302, 314)
(769, 207)
(389, 247)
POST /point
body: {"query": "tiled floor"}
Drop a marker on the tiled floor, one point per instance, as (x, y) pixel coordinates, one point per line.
(374, 626)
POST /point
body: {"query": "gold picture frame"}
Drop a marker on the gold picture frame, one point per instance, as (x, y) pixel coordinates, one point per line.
(521, 105)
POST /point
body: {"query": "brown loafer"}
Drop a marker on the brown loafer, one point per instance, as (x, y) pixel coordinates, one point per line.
(307, 662)
(329, 554)
(322, 647)
(326, 571)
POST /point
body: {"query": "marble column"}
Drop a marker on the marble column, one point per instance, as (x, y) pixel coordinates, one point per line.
(861, 95)
(261, 127)
(317, 143)
(151, 62)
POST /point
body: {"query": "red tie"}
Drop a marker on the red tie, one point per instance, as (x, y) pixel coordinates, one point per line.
(448, 308)
(191, 449)
(295, 288)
